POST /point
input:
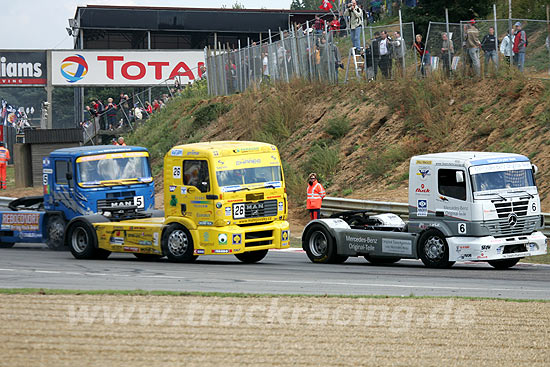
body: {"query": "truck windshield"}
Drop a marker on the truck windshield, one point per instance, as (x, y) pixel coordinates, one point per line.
(114, 169)
(269, 176)
(503, 180)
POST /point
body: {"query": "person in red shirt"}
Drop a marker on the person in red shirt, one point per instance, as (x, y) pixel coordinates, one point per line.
(4, 158)
(156, 105)
(334, 25)
(148, 108)
(315, 196)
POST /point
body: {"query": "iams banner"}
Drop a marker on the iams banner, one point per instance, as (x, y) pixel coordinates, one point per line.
(140, 68)
(23, 68)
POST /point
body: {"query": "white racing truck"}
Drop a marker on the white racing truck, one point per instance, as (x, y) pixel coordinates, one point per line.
(465, 206)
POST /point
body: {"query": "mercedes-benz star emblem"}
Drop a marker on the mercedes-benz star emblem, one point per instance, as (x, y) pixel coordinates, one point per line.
(512, 219)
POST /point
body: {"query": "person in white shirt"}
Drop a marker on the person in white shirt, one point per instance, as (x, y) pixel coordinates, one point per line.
(385, 51)
(265, 63)
(506, 48)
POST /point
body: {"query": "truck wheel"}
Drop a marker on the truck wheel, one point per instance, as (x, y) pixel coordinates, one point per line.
(148, 257)
(177, 244)
(7, 244)
(433, 250)
(55, 230)
(320, 248)
(252, 256)
(381, 259)
(503, 264)
(83, 243)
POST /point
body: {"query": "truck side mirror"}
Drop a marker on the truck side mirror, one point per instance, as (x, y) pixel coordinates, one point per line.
(69, 176)
(535, 169)
(459, 177)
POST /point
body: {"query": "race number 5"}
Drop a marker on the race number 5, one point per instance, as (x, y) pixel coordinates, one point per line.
(462, 228)
(139, 202)
(176, 172)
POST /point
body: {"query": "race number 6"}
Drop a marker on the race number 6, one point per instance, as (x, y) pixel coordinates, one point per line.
(462, 228)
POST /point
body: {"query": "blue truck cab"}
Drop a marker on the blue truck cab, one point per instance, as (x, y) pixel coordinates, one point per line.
(113, 181)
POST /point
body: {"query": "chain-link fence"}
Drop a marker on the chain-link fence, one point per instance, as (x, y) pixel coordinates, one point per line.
(311, 55)
(480, 48)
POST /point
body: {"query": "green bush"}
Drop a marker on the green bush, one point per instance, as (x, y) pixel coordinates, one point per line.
(323, 160)
(208, 113)
(381, 164)
(338, 127)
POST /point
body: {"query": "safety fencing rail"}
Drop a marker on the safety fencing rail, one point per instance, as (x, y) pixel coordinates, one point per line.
(4, 201)
(333, 205)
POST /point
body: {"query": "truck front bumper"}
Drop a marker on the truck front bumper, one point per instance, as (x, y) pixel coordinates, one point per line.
(235, 239)
(491, 248)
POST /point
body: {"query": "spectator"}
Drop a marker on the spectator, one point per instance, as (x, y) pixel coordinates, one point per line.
(315, 196)
(137, 113)
(420, 53)
(520, 43)
(376, 9)
(473, 45)
(265, 68)
(385, 52)
(489, 46)
(398, 52)
(111, 113)
(162, 104)
(148, 108)
(343, 23)
(156, 105)
(506, 47)
(121, 141)
(447, 52)
(334, 25)
(356, 22)
(318, 25)
(114, 142)
(376, 52)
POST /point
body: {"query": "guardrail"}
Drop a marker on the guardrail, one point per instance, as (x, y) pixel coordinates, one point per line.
(333, 205)
(4, 201)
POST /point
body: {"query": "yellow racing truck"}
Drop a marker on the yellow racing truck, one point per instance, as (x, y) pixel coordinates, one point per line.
(224, 197)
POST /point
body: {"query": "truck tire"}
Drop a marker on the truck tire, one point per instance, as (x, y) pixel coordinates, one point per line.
(148, 257)
(7, 244)
(377, 260)
(433, 250)
(503, 264)
(55, 232)
(83, 243)
(320, 247)
(177, 244)
(252, 256)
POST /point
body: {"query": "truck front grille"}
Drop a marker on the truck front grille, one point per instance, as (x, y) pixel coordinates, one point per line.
(501, 227)
(267, 208)
(505, 208)
(258, 238)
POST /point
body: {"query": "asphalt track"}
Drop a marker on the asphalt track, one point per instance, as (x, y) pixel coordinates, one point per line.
(34, 266)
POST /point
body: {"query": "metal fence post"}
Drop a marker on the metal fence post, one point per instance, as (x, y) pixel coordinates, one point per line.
(309, 51)
(448, 40)
(402, 43)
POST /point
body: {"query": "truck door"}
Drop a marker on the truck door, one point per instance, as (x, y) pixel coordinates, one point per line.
(196, 191)
(452, 199)
(63, 188)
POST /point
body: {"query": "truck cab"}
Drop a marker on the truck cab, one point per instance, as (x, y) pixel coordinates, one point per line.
(486, 205)
(114, 182)
(219, 198)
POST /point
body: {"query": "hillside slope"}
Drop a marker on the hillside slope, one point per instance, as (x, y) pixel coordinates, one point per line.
(358, 137)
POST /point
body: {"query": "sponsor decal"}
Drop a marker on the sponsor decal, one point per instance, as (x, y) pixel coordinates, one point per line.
(206, 237)
(21, 221)
(155, 239)
(466, 256)
(116, 240)
(423, 162)
(172, 188)
(499, 250)
(222, 239)
(206, 223)
(222, 251)
(237, 239)
(248, 161)
(443, 198)
(173, 200)
(184, 190)
(395, 246)
(361, 247)
(130, 249)
(23, 67)
(422, 190)
(30, 235)
(198, 252)
(485, 247)
(423, 173)
(285, 236)
(145, 243)
(176, 152)
(48, 171)
(228, 211)
(281, 206)
(422, 209)
(192, 152)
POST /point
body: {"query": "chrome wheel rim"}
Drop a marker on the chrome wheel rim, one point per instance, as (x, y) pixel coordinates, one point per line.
(318, 244)
(434, 248)
(79, 239)
(178, 242)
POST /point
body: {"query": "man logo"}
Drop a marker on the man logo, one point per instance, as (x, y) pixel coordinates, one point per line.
(74, 68)
(512, 220)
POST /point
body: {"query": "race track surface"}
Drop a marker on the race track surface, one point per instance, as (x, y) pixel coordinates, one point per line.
(34, 266)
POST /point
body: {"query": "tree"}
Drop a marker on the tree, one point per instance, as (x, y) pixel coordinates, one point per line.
(305, 4)
(434, 10)
(237, 5)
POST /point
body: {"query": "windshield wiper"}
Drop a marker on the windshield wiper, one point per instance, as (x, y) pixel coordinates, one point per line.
(493, 193)
(239, 189)
(517, 192)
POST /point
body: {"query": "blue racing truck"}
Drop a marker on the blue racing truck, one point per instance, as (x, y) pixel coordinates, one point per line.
(112, 181)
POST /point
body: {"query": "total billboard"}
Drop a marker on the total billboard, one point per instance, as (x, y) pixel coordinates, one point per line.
(139, 68)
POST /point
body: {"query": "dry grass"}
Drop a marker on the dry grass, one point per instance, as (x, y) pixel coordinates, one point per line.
(43, 330)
